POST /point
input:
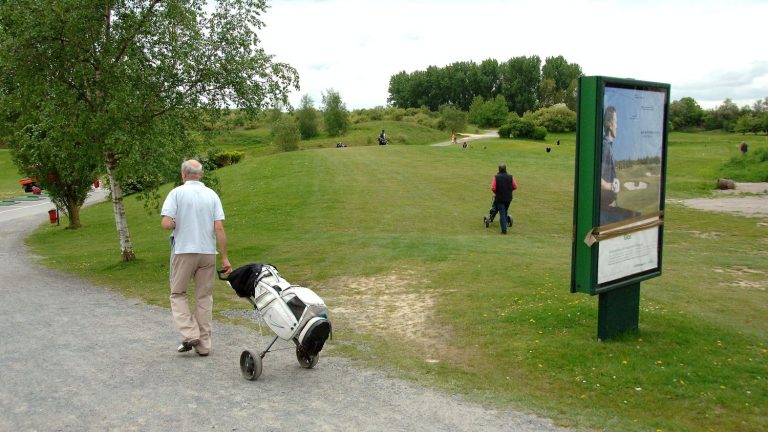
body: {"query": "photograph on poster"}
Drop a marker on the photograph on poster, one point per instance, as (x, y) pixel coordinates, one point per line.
(633, 134)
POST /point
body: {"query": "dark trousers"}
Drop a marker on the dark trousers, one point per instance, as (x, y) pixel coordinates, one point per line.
(502, 207)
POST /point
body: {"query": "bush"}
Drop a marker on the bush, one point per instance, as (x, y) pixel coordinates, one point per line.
(557, 118)
(424, 120)
(491, 113)
(286, 134)
(394, 114)
(222, 159)
(523, 129)
(505, 131)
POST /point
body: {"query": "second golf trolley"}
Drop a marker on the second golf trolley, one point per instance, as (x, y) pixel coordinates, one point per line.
(294, 313)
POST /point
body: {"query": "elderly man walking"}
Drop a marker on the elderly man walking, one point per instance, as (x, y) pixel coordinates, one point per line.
(195, 214)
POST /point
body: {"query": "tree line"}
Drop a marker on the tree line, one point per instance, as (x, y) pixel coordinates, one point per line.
(686, 114)
(524, 82)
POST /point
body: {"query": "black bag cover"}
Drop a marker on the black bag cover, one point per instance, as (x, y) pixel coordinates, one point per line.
(243, 279)
(316, 336)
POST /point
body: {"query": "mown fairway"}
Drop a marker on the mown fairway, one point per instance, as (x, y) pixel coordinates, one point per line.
(392, 238)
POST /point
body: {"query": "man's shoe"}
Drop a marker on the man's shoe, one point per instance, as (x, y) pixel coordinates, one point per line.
(202, 354)
(188, 345)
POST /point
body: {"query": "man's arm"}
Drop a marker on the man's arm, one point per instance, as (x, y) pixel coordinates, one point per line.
(493, 184)
(221, 240)
(168, 223)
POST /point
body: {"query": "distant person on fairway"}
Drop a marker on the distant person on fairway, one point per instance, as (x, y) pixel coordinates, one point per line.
(195, 214)
(382, 138)
(743, 148)
(502, 186)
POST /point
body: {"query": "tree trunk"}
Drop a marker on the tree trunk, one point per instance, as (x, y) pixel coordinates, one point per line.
(73, 212)
(126, 247)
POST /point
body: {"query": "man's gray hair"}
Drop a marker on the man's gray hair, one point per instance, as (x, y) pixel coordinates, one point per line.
(192, 168)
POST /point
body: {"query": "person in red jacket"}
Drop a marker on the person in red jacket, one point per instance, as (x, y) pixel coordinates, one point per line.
(502, 186)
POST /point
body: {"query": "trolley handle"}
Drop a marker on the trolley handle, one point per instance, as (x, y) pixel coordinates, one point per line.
(222, 272)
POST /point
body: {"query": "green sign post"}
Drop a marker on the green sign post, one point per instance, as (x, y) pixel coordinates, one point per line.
(618, 216)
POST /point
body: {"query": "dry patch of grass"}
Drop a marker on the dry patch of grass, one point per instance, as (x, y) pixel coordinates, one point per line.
(393, 306)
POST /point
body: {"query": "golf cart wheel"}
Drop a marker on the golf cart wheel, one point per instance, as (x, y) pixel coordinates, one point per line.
(305, 360)
(250, 365)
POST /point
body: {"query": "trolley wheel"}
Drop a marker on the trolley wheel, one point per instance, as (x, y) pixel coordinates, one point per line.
(250, 365)
(509, 220)
(305, 360)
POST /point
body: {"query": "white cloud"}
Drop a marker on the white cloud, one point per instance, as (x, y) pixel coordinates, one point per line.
(707, 49)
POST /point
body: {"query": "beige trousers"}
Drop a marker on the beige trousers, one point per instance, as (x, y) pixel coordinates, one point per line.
(195, 324)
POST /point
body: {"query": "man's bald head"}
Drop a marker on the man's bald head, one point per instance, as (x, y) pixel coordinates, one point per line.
(191, 170)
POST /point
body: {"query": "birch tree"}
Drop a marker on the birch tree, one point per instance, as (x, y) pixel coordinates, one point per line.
(135, 76)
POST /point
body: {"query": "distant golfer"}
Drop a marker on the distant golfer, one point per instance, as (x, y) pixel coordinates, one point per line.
(502, 186)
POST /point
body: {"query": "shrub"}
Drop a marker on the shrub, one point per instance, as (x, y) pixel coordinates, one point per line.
(491, 113)
(505, 131)
(557, 118)
(394, 114)
(286, 134)
(539, 133)
(222, 159)
(522, 128)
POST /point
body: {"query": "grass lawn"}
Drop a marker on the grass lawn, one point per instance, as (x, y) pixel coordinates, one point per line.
(9, 177)
(392, 238)
(258, 142)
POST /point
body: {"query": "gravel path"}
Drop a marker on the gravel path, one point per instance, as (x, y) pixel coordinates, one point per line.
(467, 137)
(78, 357)
(729, 201)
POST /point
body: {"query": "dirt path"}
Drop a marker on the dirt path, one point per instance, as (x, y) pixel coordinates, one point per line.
(468, 138)
(79, 357)
(754, 204)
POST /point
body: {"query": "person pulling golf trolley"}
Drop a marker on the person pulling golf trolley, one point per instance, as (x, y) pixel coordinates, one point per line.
(502, 185)
(294, 313)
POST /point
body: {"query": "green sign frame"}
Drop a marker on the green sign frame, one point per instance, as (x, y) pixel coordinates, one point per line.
(620, 183)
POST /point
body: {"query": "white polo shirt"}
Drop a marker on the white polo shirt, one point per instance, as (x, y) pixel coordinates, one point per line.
(195, 208)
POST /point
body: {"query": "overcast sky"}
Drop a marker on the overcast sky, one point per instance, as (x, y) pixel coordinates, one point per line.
(708, 50)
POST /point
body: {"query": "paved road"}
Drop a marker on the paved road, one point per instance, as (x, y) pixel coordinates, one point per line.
(78, 357)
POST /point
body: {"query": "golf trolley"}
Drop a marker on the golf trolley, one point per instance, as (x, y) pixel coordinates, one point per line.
(292, 312)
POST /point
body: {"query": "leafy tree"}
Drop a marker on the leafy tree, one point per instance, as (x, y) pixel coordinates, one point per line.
(44, 152)
(724, 116)
(306, 116)
(489, 84)
(133, 77)
(285, 132)
(685, 114)
(557, 118)
(335, 113)
(560, 77)
(454, 119)
(520, 79)
(548, 93)
(490, 113)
